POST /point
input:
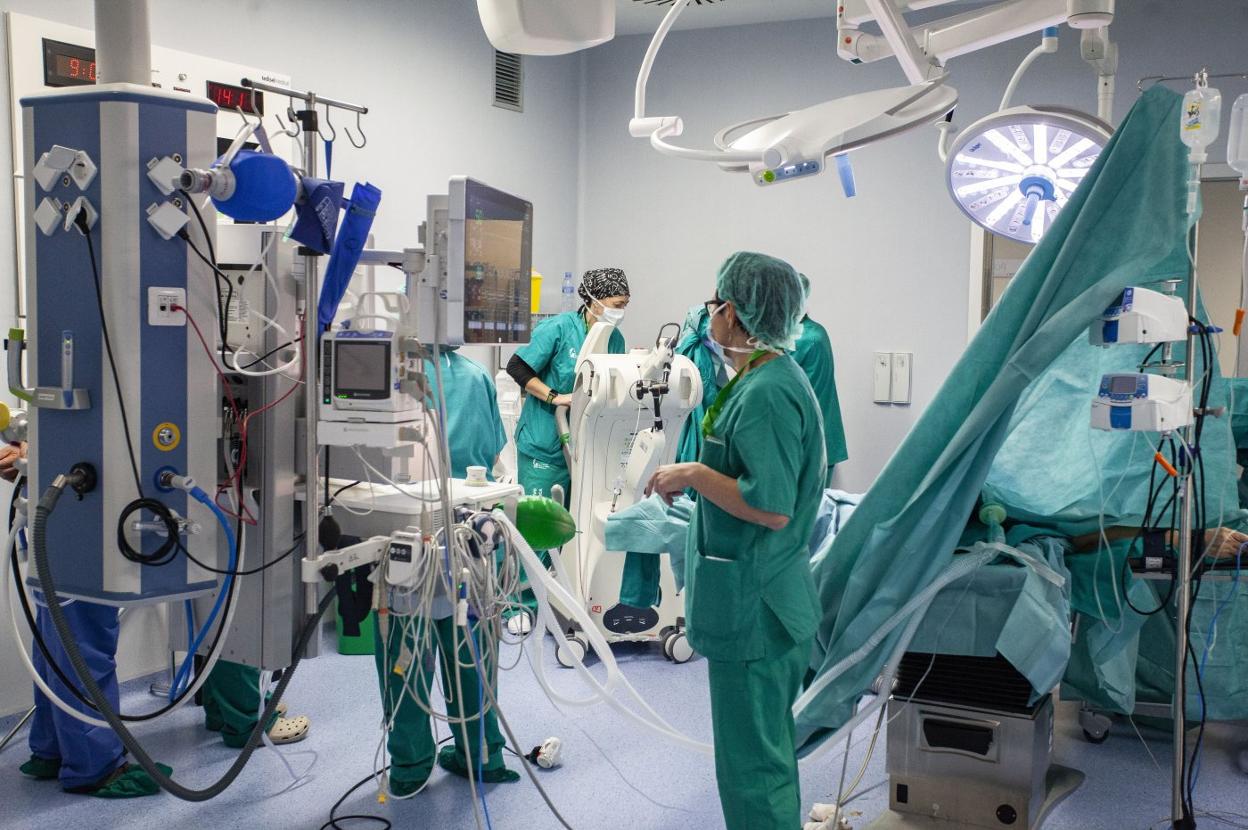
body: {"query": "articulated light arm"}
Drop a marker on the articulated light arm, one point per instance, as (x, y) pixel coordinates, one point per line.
(659, 128)
(944, 39)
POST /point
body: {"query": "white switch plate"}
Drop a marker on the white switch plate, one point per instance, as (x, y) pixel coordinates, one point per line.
(902, 369)
(160, 303)
(882, 375)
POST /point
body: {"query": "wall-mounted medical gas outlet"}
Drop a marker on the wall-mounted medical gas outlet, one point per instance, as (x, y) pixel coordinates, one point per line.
(882, 377)
(901, 368)
(161, 303)
(891, 375)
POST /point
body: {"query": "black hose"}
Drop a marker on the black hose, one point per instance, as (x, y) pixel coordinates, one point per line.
(40, 545)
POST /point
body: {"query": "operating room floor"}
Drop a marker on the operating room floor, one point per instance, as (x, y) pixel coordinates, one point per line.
(645, 784)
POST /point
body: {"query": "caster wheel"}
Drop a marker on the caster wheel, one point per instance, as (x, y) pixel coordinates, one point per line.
(678, 648)
(1096, 739)
(1095, 726)
(667, 643)
(571, 651)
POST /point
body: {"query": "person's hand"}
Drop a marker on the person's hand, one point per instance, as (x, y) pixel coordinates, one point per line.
(1224, 543)
(562, 400)
(670, 480)
(9, 456)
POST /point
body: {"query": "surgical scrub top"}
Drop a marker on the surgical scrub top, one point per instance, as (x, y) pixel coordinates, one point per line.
(750, 593)
(552, 353)
(814, 354)
(474, 427)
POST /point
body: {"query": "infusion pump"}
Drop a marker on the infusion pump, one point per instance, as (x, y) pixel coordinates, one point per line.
(369, 376)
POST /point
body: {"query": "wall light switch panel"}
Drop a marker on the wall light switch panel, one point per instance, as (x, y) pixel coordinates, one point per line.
(902, 369)
(882, 376)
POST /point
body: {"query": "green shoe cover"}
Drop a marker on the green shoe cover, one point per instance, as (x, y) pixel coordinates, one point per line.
(450, 761)
(41, 769)
(129, 781)
(400, 788)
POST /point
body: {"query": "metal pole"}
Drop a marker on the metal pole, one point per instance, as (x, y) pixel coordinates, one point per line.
(1183, 573)
(17, 728)
(311, 98)
(311, 510)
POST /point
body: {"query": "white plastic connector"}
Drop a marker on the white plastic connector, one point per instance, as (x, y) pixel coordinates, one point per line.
(161, 302)
(48, 215)
(166, 219)
(165, 173)
(53, 164)
(81, 205)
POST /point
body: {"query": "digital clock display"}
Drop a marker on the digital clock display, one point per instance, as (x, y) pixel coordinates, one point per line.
(67, 64)
(229, 97)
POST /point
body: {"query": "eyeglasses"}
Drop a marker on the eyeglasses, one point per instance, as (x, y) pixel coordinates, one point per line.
(712, 305)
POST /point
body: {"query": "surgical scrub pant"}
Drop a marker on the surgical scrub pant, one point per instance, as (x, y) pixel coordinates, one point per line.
(411, 743)
(755, 755)
(231, 696)
(88, 754)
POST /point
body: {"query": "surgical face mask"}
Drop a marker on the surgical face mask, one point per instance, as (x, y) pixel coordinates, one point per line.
(614, 316)
(719, 348)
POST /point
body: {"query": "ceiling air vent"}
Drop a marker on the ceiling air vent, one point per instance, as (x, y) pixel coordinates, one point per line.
(508, 81)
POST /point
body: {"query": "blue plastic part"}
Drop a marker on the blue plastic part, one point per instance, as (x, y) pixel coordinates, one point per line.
(1109, 331)
(184, 672)
(1120, 417)
(1037, 190)
(846, 171)
(156, 479)
(352, 237)
(1050, 31)
(264, 189)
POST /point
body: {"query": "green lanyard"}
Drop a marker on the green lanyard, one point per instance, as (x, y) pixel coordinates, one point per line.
(717, 406)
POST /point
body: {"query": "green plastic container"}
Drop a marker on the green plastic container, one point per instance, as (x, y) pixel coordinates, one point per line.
(363, 644)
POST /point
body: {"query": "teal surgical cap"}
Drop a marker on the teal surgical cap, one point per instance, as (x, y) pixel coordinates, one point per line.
(805, 285)
(767, 295)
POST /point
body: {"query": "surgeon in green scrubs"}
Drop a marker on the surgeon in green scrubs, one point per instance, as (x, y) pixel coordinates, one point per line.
(814, 355)
(545, 368)
(231, 698)
(475, 435)
(751, 604)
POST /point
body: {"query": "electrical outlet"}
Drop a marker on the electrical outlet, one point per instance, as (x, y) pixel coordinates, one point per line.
(160, 303)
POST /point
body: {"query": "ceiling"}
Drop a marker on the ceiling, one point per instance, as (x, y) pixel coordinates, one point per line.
(634, 17)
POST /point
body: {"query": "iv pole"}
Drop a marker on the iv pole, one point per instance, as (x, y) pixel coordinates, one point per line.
(309, 122)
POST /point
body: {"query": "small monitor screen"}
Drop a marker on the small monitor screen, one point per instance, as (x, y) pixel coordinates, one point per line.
(362, 370)
(1122, 385)
(498, 263)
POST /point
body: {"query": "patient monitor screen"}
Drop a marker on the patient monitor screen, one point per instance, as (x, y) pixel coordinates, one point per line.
(362, 370)
(498, 261)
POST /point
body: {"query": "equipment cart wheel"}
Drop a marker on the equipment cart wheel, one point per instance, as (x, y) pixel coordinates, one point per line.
(571, 650)
(1095, 725)
(678, 649)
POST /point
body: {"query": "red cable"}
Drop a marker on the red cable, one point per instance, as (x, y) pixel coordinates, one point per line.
(236, 479)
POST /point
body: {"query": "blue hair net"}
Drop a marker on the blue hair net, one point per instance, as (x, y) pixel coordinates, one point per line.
(767, 295)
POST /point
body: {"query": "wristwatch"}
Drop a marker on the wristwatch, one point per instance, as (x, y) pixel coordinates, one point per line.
(550, 396)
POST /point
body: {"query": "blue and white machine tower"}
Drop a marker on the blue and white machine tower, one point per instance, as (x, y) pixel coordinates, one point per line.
(101, 162)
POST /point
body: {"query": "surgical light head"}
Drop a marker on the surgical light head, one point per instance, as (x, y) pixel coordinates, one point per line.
(1012, 171)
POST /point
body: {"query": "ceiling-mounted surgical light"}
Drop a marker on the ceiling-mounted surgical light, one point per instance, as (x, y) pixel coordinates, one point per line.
(1012, 171)
(795, 144)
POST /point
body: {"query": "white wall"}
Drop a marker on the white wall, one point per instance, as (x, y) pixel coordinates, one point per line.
(425, 69)
(890, 267)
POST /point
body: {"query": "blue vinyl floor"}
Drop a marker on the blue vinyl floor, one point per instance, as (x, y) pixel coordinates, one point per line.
(613, 776)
